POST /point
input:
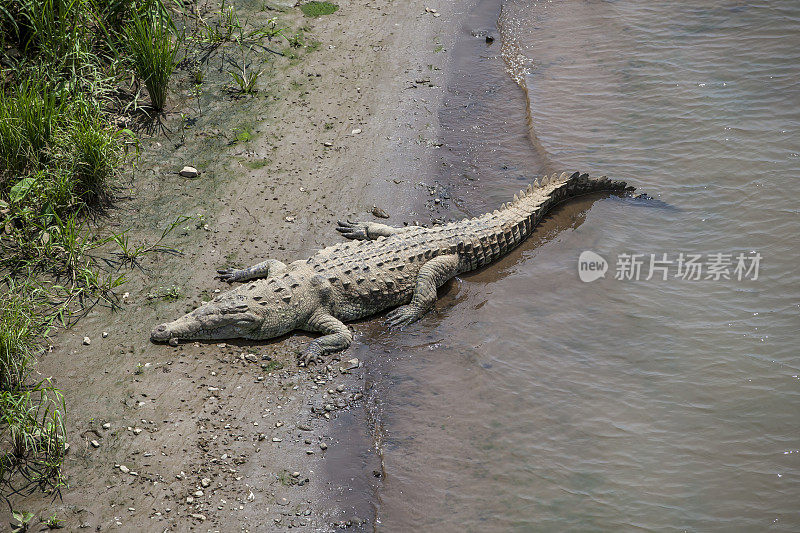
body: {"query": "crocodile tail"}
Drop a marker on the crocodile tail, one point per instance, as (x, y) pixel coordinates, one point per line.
(548, 191)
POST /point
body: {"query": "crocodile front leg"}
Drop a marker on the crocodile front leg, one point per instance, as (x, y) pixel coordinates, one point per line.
(268, 268)
(336, 337)
(367, 231)
(432, 275)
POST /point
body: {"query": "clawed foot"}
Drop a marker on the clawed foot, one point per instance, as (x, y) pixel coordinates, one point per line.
(312, 354)
(402, 316)
(353, 230)
(227, 274)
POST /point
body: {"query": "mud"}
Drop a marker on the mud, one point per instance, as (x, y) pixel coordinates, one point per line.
(234, 436)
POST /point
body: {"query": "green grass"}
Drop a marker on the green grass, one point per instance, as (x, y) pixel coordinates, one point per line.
(70, 70)
(315, 9)
(31, 414)
(153, 54)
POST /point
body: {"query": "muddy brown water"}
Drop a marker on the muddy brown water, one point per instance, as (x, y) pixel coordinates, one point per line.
(529, 400)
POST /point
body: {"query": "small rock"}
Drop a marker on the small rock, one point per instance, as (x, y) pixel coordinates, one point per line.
(340, 388)
(124, 469)
(327, 144)
(323, 446)
(95, 444)
(189, 172)
(303, 427)
(87, 341)
(283, 501)
(378, 212)
(295, 474)
(351, 364)
(107, 425)
(198, 494)
(199, 516)
(173, 341)
(105, 334)
(289, 219)
(356, 131)
(205, 482)
(275, 439)
(189, 499)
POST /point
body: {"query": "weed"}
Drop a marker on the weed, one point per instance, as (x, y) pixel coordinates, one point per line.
(54, 522)
(153, 53)
(139, 369)
(329, 126)
(245, 79)
(23, 519)
(315, 9)
(171, 294)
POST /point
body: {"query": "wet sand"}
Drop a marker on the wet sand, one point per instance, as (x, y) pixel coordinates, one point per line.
(210, 436)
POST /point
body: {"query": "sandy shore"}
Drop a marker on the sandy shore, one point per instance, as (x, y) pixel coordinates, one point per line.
(214, 437)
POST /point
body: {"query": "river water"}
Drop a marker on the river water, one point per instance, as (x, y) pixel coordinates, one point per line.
(530, 400)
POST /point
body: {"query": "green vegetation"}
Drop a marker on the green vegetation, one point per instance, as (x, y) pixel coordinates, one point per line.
(31, 414)
(78, 78)
(315, 9)
(153, 54)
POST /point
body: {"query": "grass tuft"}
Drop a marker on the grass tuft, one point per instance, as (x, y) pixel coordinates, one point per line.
(153, 54)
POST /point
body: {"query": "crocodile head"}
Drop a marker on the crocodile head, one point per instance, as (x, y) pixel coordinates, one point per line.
(231, 315)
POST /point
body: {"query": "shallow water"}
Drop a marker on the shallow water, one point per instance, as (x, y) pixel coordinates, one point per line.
(530, 400)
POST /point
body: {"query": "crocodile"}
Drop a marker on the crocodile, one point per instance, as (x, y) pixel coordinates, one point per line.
(381, 267)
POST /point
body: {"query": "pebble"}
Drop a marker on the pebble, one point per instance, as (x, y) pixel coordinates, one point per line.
(351, 364)
(199, 516)
(304, 427)
(173, 341)
(105, 334)
(107, 425)
(189, 172)
(87, 341)
(95, 444)
(327, 144)
(198, 494)
(205, 482)
(124, 469)
(323, 446)
(378, 212)
(289, 219)
(189, 499)
(356, 131)
(340, 388)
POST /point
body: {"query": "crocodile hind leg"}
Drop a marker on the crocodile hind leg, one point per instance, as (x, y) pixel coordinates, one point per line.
(432, 275)
(336, 337)
(366, 231)
(268, 268)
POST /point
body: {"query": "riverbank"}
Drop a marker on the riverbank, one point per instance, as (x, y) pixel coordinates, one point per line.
(226, 436)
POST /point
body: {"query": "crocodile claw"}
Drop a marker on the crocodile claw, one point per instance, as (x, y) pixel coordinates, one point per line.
(227, 274)
(352, 230)
(402, 316)
(311, 354)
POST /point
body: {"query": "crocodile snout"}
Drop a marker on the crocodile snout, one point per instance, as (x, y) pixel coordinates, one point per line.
(160, 333)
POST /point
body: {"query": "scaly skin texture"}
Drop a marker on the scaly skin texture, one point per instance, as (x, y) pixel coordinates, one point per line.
(383, 267)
